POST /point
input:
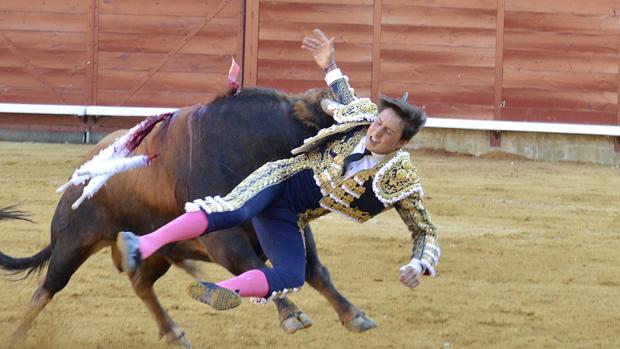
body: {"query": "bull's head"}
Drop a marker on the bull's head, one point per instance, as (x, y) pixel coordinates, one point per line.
(311, 108)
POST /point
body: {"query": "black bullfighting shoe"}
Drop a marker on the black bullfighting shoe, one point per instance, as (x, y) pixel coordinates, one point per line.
(219, 298)
(129, 247)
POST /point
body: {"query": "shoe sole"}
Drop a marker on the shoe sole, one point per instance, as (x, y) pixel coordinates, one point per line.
(219, 298)
(122, 248)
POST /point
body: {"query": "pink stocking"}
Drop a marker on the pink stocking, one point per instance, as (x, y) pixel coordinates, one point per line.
(252, 283)
(187, 226)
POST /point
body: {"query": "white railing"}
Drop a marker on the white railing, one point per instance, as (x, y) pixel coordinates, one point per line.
(79, 110)
(516, 126)
(466, 124)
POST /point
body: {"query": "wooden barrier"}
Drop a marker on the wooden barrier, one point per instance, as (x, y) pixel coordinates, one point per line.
(503, 60)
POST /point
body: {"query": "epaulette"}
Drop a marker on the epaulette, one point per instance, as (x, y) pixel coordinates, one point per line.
(362, 109)
(357, 113)
(397, 179)
(310, 143)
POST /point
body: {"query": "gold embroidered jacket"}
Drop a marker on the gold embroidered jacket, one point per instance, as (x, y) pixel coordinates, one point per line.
(391, 183)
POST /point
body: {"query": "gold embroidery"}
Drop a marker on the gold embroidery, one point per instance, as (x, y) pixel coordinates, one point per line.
(340, 88)
(353, 213)
(423, 232)
(322, 162)
(359, 110)
(397, 179)
(313, 142)
(304, 218)
(267, 175)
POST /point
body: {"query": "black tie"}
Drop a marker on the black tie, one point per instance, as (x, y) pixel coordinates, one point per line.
(353, 158)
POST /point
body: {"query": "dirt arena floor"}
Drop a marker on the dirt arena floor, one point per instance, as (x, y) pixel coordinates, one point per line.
(530, 260)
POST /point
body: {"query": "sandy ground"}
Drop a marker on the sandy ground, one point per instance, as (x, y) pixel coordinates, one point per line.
(530, 260)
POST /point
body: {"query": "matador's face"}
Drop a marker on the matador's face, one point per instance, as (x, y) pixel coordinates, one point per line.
(383, 135)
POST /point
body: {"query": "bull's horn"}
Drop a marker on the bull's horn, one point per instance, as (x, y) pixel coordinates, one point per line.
(329, 106)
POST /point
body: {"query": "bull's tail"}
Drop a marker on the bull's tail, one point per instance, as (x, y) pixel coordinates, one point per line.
(10, 212)
(28, 265)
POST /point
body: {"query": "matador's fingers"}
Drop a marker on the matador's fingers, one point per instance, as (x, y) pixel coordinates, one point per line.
(321, 35)
(311, 42)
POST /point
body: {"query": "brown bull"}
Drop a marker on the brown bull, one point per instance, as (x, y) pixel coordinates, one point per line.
(202, 150)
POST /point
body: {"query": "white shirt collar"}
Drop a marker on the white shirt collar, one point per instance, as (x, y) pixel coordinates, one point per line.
(361, 147)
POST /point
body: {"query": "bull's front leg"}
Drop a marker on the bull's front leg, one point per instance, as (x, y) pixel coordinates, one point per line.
(318, 277)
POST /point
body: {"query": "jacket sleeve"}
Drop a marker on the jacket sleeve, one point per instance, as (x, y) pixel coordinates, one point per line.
(423, 232)
(339, 85)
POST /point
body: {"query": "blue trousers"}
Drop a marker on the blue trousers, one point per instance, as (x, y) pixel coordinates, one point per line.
(274, 212)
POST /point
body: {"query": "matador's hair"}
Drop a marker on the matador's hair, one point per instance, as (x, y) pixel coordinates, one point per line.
(413, 116)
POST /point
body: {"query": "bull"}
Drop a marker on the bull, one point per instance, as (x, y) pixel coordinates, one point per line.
(201, 150)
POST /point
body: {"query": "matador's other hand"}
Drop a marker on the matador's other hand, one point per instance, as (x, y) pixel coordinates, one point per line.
(322, 49)
(411, 274)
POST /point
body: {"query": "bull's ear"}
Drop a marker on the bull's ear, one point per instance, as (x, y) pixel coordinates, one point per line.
(329, 106)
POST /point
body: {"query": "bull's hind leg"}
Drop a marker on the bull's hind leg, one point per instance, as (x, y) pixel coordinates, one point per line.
(292, 319)
(149, 271)
(317, 276)
(233, 250)
(67, 256)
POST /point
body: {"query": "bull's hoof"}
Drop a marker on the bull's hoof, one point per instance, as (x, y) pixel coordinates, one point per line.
(360, 323)
(178, 339)
(15, 339)
(295, 322)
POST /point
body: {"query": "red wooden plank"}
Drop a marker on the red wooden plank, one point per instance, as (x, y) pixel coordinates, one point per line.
(28, 122)
(439, 55)
(58, 6)
(92, 62)
(412, 35)
(362, 88)
(561, 42)
(316, 13)
(42, 21)
(561, 23)
(52, 40)
(39, 95)
(43, 59)
(560, 81)
(172, 99)
(561, 61)
(559, 116)
(617, 139)
(458, 111)
(553, 99)
(376, 50)
(275, 69)
(292, 51)
(448, 94)
(155, 25)
(180, 8)
(499, 62)
(164, 81)
(350, 33)
(439, 17)
(447, 75)
(470, 4)
(251, 42)
(323, 2)
(591, 7)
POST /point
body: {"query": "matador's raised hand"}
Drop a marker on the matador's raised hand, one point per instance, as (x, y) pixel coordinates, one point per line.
(322, 49)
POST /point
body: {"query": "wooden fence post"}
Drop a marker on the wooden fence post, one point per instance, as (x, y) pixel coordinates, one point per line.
(250, 39)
